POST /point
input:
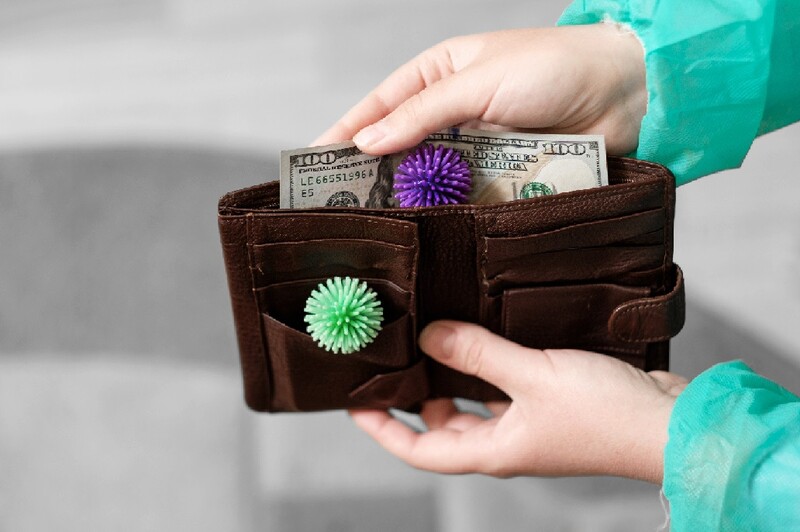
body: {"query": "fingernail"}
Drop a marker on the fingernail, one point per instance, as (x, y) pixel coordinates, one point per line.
(437, 340)
(370, 135)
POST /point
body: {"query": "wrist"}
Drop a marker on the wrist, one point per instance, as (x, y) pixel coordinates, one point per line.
(644, 430)
(624, 68)
(652, 439)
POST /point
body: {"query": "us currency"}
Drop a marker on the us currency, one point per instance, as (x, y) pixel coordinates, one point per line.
(504, 166)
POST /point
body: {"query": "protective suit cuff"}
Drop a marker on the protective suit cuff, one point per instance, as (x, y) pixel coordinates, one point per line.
(726, 429)
(707, 70)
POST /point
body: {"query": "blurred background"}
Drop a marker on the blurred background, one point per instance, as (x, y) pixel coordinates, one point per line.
(121, 123)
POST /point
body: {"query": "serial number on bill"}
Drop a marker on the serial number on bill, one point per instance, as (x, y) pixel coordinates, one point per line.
(355, 175)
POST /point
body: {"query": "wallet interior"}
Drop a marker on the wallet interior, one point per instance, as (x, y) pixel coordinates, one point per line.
(589, 269)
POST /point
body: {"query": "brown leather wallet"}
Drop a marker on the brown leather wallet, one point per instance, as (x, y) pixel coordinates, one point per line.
(590, 269)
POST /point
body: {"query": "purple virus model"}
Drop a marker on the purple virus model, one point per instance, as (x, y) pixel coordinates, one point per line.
(432, 176)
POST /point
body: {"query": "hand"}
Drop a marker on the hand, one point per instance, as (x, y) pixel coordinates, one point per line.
(572, 79)
(571, 412)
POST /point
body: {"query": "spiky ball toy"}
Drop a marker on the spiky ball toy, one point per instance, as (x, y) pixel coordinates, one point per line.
(432, 176)
(343, 315)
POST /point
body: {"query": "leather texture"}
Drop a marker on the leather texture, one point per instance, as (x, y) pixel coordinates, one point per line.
(590, 269)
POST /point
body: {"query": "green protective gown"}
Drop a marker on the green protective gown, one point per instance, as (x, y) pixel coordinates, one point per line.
(732, 461)
(719, 73)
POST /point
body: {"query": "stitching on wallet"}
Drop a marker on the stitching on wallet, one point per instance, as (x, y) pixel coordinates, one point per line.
(262, 359)
(408, 230)
(233, 220)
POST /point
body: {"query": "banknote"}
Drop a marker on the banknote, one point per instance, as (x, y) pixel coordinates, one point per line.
(505, 166)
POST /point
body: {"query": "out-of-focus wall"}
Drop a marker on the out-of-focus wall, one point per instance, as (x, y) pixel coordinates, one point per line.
(121, 123)
(241, 74)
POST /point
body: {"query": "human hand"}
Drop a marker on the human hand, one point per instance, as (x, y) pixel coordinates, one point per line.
(571, 412)
(571, 79)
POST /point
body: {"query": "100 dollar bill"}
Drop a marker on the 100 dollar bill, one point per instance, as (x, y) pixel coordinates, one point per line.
(504, 167)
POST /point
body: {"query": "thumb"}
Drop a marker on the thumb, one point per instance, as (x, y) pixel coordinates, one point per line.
(445, 103)
(473, 350)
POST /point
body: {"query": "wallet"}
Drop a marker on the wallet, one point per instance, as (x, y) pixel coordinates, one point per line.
(590, 269)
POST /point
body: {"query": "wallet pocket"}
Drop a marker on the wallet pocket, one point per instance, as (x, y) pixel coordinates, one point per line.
(307, 377)
(593, 251)
(572, 316)
(288, 247)
(558, 288)
(286, 261)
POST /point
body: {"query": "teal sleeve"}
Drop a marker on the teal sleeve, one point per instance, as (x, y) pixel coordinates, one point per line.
(719, 73)
(732, 461)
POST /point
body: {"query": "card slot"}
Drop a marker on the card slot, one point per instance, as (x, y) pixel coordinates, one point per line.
(568, 209)
(647, 239)
(303, 226)
(584, 235)
(571, 265)
(557, 317)
(362, 258)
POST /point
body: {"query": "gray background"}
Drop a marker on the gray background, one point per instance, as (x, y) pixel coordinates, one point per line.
(121, 123)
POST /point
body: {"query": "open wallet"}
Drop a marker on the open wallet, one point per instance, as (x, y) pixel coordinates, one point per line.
(590, 269)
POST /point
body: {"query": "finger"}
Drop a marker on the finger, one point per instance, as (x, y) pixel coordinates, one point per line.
(442, 450)
(436, 412)
(498, 408)
(444, 414)
(458, 98)
(411, 78)
(475, 351)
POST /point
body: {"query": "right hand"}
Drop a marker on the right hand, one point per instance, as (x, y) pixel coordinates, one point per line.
(571, 79)
(571, 412)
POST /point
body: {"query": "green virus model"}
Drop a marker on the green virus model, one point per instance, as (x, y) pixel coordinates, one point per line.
(343, 315)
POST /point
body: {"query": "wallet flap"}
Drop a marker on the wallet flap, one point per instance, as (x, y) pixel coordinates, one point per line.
(651, 319)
